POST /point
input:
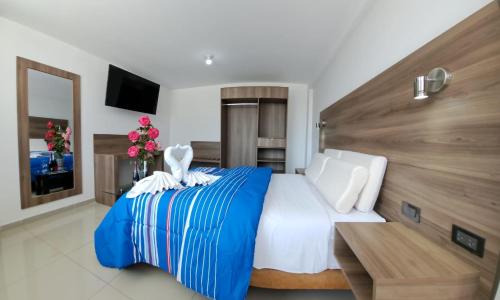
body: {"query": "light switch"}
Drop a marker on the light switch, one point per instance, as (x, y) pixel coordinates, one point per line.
(411, 211)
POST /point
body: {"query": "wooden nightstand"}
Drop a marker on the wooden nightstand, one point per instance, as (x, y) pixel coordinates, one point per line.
(391, 261)
(300, 171)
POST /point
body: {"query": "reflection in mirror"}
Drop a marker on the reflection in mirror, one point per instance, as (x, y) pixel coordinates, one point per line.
(50, 111)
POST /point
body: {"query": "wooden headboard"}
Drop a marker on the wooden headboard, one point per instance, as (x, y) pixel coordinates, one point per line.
(444, 153)
(206, 151)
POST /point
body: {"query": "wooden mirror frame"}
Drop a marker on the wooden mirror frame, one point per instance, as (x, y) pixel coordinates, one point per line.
(27, 200)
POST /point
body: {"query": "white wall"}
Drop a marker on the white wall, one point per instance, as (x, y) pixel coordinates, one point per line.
(18, 40)
(195, 116)
(386, 32)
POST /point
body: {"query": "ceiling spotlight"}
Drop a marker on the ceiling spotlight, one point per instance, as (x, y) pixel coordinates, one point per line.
(209, 59)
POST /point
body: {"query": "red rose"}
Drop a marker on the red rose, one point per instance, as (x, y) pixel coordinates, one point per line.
(133, 136)
(144, 121)
(50, 125)
(150, 146)
(153, 133)
(50, 146)
(133, 151)
(49, 135)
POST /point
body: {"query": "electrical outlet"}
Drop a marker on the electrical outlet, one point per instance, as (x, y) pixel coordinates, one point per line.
(468, 240)
(411, 211)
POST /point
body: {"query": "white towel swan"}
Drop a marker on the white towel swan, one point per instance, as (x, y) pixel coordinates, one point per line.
(153, 184)
(179, 159)
(199, 178)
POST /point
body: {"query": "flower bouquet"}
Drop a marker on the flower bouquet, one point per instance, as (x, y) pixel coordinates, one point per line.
(144, 145)
(58, 141)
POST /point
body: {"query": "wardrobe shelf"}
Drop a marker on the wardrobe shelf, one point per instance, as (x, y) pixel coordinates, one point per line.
(271, 147)
(271, 160)
(266, 142)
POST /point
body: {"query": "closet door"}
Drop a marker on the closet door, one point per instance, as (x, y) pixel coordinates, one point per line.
(239, 133)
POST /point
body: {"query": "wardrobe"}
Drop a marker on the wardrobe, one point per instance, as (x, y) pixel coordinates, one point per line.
(253, 127)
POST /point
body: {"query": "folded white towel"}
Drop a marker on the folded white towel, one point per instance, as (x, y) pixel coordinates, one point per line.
(153, 184)
(199, 178)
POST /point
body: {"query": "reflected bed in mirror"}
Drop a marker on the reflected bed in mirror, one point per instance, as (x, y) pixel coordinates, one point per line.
(49, 133)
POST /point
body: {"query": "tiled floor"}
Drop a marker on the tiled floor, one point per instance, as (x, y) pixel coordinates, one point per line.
(53, 258)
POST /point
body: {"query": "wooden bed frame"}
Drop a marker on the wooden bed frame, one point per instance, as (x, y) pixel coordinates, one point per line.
(443, 154)
(274, 279)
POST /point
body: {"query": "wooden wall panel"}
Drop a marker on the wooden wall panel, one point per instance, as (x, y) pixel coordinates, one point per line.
(38, 126)
(111, 143)
(252, 92)
(444, 153)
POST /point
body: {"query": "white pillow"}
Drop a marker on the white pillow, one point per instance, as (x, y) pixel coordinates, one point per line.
(340, 184)
(316, 167)
(334, 153)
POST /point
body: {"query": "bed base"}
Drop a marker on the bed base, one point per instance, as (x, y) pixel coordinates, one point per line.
(274, 279)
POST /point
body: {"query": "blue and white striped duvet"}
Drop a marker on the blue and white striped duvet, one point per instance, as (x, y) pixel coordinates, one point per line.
(204, 235)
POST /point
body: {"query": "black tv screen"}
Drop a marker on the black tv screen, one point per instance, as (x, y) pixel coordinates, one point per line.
(129, 91)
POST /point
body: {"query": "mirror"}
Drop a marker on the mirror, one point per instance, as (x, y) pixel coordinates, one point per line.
(49, 132)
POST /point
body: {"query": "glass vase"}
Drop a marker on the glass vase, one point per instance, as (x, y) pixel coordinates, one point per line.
(140, 170)
(59, 161)
(143, 169)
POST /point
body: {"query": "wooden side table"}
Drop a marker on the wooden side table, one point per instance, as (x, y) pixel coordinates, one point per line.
(389, 261)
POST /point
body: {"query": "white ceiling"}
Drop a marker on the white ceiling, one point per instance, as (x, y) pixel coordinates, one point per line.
(166, 40)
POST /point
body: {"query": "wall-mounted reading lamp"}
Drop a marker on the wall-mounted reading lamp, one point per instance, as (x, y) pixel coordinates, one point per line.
(321, 124)
(434, 82)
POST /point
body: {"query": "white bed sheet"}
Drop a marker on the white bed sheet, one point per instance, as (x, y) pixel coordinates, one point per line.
(295, 232)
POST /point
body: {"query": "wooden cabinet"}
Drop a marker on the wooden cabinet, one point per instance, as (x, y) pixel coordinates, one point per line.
(106, 172)
(253, 127)
(113, 175)
(389, 261)
(113, 168)
(271, 140)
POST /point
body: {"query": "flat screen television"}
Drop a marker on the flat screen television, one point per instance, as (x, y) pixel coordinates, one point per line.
(129, 91)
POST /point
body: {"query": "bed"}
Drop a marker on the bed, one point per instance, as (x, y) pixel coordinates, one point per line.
(203, 235)
(291, 232)
(295, 232)
(294, 247)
